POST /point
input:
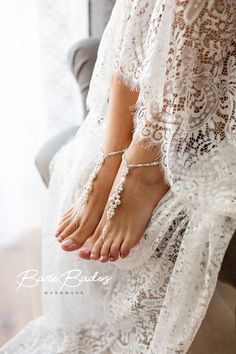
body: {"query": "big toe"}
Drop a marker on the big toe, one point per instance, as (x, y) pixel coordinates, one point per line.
(125, 248)
(85, 250)
(115, 250)
(79, 237)
(95, 252)
(74, 241)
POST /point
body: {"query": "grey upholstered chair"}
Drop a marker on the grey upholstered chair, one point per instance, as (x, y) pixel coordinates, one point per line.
(82, 58)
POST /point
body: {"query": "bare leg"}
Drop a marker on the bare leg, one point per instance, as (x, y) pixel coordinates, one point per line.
(118, 136)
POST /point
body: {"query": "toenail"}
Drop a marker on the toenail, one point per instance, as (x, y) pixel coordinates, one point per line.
(103, 258)
(57, 233)
(59, 238)
(84, 249)
(92, 256)
(112, 259)
(122, 256)
(68, 242)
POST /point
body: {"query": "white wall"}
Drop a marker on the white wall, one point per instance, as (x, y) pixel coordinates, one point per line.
(62, 23)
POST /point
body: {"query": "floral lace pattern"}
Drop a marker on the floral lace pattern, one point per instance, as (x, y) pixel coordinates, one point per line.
(180, 55)
(193, 115)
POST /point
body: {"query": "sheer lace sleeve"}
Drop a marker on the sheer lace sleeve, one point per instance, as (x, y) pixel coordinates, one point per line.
(129, 55)
(187, 98)
(180, 55)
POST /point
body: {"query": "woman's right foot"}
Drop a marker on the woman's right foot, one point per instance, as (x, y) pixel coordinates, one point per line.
(134, 196)
(71, 234)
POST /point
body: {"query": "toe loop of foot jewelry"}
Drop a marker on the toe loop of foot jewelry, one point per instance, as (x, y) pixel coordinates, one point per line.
(88, 187)
(115, 200)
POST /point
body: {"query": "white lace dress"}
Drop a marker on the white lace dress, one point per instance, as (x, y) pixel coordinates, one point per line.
(181, 56)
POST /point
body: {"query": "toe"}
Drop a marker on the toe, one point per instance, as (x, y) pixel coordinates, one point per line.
(73, 242)
(67, 231)
(105, 251)
(69, 245)
(66, 216)
(125, 248)
(115, 250)
(85, 250)
(95, 252)
(62, 226)
(68, 213)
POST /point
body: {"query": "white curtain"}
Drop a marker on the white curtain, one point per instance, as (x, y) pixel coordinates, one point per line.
(62, 23)
(38, 97)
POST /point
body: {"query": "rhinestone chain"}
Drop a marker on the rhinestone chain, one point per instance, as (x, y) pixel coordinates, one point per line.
(115, 200)
(88, 187)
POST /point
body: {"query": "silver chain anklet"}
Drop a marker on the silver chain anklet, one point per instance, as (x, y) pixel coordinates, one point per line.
(115, 199)
(88, 187)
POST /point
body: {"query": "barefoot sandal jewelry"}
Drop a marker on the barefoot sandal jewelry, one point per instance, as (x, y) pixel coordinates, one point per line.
(115, 199)
(88, 187)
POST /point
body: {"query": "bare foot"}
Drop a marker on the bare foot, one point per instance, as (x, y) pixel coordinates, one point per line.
(143, 189)
(71, 234)
(117, 136)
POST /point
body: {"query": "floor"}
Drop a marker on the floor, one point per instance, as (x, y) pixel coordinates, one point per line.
(217, 334)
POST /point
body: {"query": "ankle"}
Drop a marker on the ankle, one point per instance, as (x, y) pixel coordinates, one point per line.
(137, 154)
(149, 176)
(116, 145)
(110, 166)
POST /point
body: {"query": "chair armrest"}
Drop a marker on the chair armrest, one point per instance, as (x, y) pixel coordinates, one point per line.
(49, 149)
(99, 14)
(228, 269)
(82, 57)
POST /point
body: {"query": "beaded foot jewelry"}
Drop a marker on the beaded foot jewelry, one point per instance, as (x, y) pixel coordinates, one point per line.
(115, 199)
(88, 187)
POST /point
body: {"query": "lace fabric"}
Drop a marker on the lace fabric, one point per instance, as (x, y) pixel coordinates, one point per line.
(180, 56)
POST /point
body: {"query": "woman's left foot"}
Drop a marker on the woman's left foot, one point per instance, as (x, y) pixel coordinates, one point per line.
(143, 189)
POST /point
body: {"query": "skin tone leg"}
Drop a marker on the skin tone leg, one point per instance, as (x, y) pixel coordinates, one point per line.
(72, 235)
